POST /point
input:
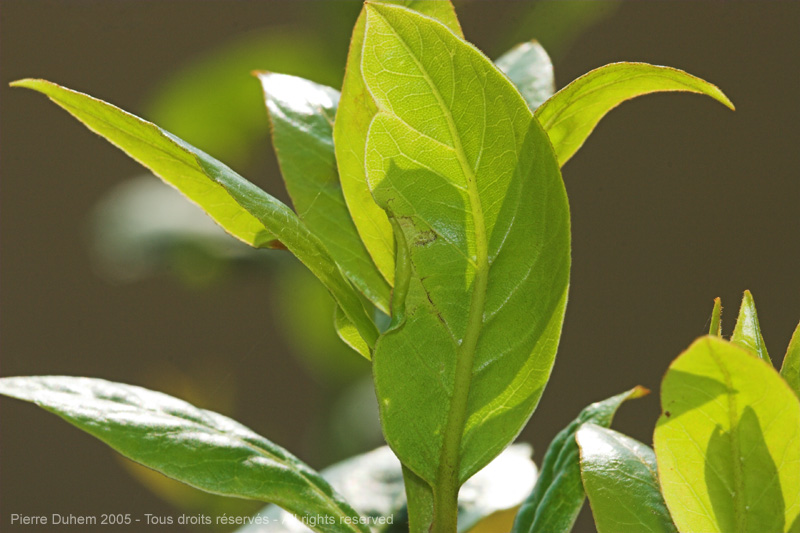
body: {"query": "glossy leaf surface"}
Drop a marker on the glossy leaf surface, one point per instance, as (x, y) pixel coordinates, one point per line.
(529, 68)
(373, 483)
(198, 447)
(472, 185)
(728, 442)
(558, 496)
(241, 208)
(302, 115)
(356, 110)
(747, 332)
(621, 480)
(790, 370)
(574, 111)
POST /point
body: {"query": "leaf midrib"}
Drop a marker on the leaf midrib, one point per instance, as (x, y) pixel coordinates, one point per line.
(449, 461)
(259, 450)
(739, 510)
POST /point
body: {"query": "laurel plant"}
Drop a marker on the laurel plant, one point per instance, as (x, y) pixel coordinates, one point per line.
(428, 200)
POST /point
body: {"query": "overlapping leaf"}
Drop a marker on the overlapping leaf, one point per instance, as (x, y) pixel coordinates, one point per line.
(198, 447)
(728, 442)
(302, 115)
(356, 110)
(621, 480)
(482, 223)
(716, 319)
(241, 208)
(574, 111)
(529, 68)
(558, 496)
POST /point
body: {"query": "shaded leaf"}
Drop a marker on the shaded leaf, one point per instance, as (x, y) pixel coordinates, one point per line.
(558, 496)
(529, 68)
(716, 319)
(373, 484)
(574, 111)
(747, 332)
(728, 442)
(790, 370)
(241, 208)
(200, 448)
(356, 109)
(483, 220)
(621, 480)
(302, 115)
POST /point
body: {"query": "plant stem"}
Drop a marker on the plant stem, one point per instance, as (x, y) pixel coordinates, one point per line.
(445, 508)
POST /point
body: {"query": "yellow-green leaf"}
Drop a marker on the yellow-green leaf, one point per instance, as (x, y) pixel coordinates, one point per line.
(571, 114)
(356, 109)
(747, 332)
(728, 442)
(241, 208)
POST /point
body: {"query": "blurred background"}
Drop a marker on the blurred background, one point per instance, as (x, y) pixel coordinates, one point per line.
(674, 199)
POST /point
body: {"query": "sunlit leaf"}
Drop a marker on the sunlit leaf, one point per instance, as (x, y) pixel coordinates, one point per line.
(475, 191)
(356, 109)
(558, 496)
(747, 332)
(241, 208)
(302, 115)
(728, 442)
(621, 480)
(790, 370)
(198, 447)
(574, 111)
(529, 68)
(716, 319)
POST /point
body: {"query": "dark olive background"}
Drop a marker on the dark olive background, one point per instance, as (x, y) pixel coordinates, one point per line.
(674, 199)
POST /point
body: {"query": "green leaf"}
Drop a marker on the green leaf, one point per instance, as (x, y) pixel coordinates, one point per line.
(558, 496)
(716, 319)
(747, 332)
(356, 109)
(621, 480)
(348, 333)
(241, 208)
(200, 448)
(373, 484)
(574, 111)
(790, 370)
(727, 442)
(529, 68)
(483, 241)
(302, 115)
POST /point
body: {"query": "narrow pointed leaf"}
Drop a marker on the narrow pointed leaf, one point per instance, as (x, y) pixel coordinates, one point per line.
(529, 68)
(728, 442)
(241, 208)
(356, 109)
(558, 496)
(200, 448)
(621, 480)
(747, 332)
(302, 115)
(790, 370)
(574, 111)
(468, 176)
(716, 319)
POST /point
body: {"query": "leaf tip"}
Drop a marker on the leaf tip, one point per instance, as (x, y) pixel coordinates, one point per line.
(638, 392)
